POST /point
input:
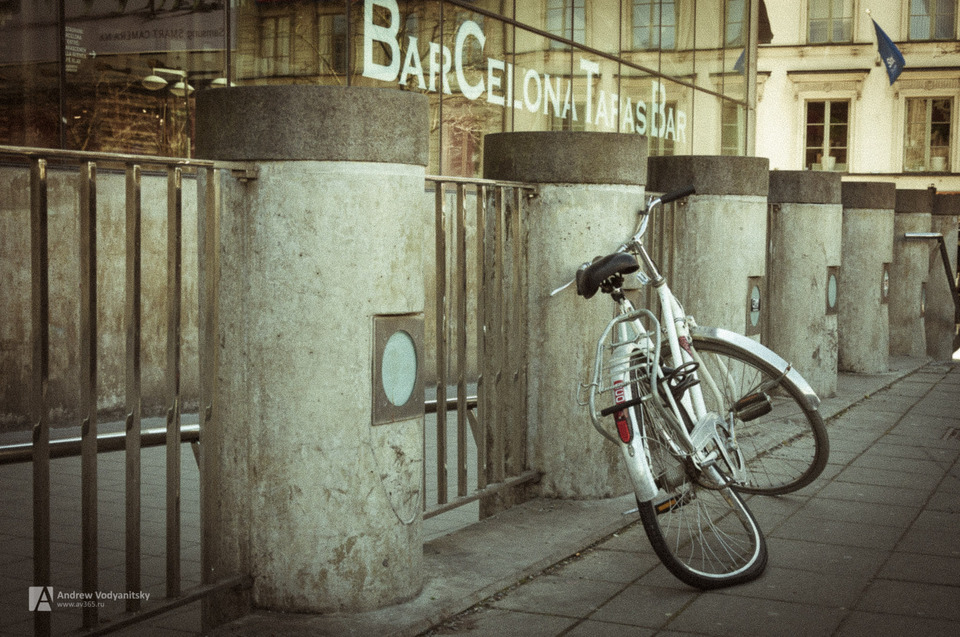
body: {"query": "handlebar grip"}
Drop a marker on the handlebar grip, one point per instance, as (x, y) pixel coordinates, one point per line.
(678, 194)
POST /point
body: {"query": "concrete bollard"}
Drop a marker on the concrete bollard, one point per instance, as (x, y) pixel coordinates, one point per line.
(866, 251)
(940, 318)
(712, 249)
(591, 187)
(908, 273)
(319, 506)
(803, 273)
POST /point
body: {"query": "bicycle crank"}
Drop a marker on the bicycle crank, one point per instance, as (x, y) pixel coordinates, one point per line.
(713, 432)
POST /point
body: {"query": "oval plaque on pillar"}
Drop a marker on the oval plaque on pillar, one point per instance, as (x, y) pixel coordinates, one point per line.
(397, 376)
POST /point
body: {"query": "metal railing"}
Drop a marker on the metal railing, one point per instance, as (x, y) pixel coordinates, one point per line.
(479, 327)
(479, 323)
(41, 449)
(945, 258)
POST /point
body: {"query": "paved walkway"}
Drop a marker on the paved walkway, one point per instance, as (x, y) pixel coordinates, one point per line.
(871, 548)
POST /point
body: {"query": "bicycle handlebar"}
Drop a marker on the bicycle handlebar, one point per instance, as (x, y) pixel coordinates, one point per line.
(589, 268)
(678, 194)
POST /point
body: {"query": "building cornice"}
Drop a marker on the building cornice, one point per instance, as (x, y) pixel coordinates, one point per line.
(842, 81)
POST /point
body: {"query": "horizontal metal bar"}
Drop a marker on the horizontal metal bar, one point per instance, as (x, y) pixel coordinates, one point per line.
(430, 406)
(189, 596)
(68, 447)
(922, 235)
(247, 170)
(82, 155)
(476, 181)
(523, 478)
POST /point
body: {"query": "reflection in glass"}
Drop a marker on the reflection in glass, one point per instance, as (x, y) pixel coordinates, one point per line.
(624, 65)
(653, 25)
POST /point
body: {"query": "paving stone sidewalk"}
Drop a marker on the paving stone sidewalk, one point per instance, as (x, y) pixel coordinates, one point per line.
(871, 548)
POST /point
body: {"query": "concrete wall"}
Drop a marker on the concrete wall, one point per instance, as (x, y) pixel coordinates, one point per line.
(940, 319)
(803, 273)
(591, 186)
(319, 506)
(867, 251)
(711, 246)
(909, 272)
(15, 352)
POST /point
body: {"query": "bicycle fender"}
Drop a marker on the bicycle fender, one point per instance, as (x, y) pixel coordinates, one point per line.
(635, 457)
(720, 335)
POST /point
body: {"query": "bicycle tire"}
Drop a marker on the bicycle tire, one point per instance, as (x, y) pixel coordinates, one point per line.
(703, 534)
(785, 449)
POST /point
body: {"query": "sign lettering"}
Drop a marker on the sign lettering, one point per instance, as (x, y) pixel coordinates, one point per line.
(538, 92)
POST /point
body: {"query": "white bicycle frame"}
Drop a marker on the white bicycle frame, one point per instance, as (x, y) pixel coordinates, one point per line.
(709, 429)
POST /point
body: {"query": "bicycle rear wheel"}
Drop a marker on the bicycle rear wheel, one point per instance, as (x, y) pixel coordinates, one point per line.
(782, 438)
(702, 531)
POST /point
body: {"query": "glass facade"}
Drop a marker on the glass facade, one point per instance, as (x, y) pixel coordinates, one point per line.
(123, 75)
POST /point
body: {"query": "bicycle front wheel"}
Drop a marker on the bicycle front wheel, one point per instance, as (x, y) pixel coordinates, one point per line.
(700, 529)
(782, 438)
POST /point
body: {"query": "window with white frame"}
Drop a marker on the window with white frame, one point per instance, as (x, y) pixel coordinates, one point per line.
(275, 45)
(926, 145)
(567, 19)
(733, 129)
(933, 19)
(654, 25)
(829, 21)
(827, 135)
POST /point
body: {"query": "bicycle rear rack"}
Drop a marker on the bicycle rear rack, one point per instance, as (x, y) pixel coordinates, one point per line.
(627, 351)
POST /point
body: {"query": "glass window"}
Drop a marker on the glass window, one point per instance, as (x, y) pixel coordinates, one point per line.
(274, 46)
(927, 144)
(654, 25)
(830, 21)
(735, 23)
(332, 43)
(932, 19)
(567, 19)
(827, 125)
(733, 129)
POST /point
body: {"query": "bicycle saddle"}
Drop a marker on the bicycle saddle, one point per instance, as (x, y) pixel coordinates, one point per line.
(591, 275)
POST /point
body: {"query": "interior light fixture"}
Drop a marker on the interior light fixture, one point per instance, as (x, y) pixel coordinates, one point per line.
(154, 82)
(181, 88)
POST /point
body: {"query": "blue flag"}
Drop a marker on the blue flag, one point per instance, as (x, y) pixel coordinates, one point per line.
(889, 53)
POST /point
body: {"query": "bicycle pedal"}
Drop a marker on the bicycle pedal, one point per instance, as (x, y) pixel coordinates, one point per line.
(673, 502)
(752, 406)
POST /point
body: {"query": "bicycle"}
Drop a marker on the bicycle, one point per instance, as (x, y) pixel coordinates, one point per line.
(701, 415)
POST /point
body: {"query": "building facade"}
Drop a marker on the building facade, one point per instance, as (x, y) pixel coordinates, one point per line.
(122, 75)
(826, 102)
(802, 85)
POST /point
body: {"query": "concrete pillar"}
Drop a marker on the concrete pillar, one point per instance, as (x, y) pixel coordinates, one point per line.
(866, 251)
(591, 187)
(803, 276)
(908, 273)
(712, 249)
(940, 318)
(319, 506)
